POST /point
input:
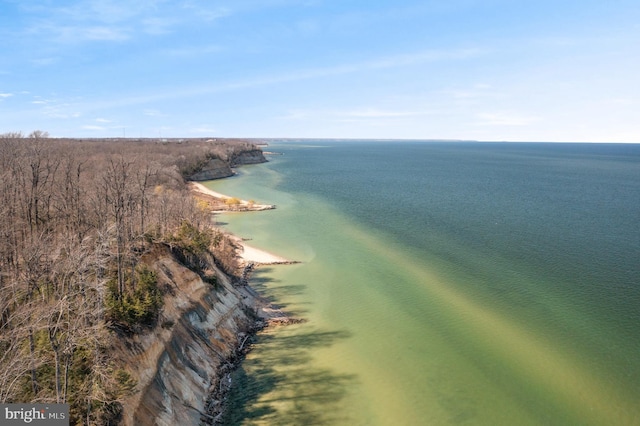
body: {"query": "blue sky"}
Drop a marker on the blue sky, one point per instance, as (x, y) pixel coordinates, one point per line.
(560, 70)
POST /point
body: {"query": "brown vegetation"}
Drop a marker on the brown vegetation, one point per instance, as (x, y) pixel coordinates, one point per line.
(76, 219)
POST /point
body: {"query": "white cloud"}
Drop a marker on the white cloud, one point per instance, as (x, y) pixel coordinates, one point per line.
(193, 51)
(377, 113)
(93, 127)
(5, 95)
(98, 20)
(624, 102)
(362, 115)
(434, 55)
(154, 113)
(505, 119)
(557, 41)
(158, 26)
(62, 111)
(106, 11)
(393, 61)
(75, 34)
(295, 115)
(85, 21)
(204, 129)
(286, 77)
(475, 91)
(206, 12)
(103, 33)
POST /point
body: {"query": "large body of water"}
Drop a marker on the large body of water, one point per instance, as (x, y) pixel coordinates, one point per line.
(445, 284)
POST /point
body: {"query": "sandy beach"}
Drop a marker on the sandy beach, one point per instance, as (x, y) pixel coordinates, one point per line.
(248, 254)
(253, 255)
(204, 190)
(239, 205)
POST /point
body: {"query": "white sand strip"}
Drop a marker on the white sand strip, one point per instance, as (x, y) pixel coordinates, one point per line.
(254, 255)
(243, 204)
(203, 189)
(249, 254)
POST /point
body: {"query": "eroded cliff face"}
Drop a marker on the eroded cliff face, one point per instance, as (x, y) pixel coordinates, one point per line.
(176, 363)
(214, 169)
(254, 156)
(218, 169)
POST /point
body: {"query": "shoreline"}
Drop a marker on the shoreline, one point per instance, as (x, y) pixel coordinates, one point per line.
(252, 255)
(248, 254)
(267, 315)
(197, 186)
(225, 203)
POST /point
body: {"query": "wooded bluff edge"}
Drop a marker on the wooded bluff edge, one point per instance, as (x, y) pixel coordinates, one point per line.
(117, 295)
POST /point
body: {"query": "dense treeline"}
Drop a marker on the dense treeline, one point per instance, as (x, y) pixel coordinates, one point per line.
(76, 218)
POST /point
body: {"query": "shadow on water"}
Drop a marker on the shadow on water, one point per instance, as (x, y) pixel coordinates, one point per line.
(269, 289)
(279, 385)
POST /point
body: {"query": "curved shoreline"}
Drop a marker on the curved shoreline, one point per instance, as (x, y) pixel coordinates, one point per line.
(249, 254)
(255, 255)
(203, 189)
(226, 203)
(266, 314)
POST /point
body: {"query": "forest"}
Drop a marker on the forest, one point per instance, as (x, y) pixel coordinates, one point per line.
(76, 218)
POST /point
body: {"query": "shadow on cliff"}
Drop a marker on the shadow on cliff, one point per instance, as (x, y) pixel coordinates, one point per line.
(274, 292)
(278, 385)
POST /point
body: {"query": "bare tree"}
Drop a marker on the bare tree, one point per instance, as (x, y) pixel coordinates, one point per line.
(73, 214)
(118, 201)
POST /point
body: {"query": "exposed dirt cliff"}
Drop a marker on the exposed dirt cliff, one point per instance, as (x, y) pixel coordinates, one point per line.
(214, 169)
(177, 364)
(217, 168)
(252, 156)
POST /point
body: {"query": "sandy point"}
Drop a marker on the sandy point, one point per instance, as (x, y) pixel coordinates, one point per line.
(196, 186)
(247, 253)
(251, 254)
(237, 205)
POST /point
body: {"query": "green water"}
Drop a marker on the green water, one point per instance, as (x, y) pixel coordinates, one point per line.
(442, 306)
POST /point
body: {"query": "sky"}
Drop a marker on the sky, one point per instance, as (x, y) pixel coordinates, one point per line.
(545, 70)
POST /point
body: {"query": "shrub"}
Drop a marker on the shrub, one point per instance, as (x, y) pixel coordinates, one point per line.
(139, 307)
(190, 238)
(211, 279)
(233, 201)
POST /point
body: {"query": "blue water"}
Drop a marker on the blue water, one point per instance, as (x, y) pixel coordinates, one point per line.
(468, 283)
